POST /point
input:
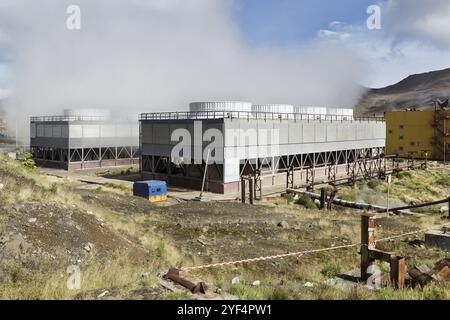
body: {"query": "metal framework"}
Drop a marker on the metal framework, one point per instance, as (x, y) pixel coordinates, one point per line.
(82, 156)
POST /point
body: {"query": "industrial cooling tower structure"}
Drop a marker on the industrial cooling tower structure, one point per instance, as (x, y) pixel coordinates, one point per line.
(83, 139)
(257, 141)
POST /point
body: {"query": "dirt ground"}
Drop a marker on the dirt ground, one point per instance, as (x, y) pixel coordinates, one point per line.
(115, 238)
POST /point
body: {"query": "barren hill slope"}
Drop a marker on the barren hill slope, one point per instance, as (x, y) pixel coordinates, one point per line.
(416, 91)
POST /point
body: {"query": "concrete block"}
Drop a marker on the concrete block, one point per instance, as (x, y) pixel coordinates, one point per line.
(438, 239)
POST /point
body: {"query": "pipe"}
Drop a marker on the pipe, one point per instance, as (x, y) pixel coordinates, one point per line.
(354, 205)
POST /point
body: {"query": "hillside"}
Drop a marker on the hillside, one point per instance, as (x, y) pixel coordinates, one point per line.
(416, 91)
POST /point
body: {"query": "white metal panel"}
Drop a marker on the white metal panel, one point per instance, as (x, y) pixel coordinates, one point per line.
(331, 132)
(123, 130)
(161, 133)
(91, 131)
(76, 131)
(295, 132)
(308, 133)
(321, 132)
(107, 131)
(220, 106)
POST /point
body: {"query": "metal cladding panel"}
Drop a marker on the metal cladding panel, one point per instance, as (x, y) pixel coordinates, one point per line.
(147, 132)
(264, 133)
(361, 132)
(50, 142)
(48, 131)
(248, 134)
(91, 131)
(231, 170)
(57, 131)
(107, 130)
(76, 131)
(232, 135)
(65, 131)
(123, 130)
(40, 130)
(215, 130)
(308, 133)
(161, 134)
(331, 133)
(184, 128)
(320, 132)
(32, 130)
(295, 132)
(283, 132)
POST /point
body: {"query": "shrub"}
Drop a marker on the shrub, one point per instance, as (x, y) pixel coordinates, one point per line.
(307, 202)
(330, 271)
(373, 184)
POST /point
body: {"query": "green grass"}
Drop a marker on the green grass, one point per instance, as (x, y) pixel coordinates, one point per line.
(306, 202)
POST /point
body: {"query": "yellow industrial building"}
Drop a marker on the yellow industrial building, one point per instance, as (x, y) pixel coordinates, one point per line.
(418, 134)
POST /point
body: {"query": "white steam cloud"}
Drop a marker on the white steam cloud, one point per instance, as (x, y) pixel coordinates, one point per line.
(158, 55)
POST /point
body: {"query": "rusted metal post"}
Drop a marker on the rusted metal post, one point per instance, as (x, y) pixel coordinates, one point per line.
(251, 183)
(448, 208)
(367, 242)
(398, 267)
(243, 189)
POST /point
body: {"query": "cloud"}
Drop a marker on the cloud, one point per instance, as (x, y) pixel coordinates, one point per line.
(417, 20)
(414, 38)
(157, 55)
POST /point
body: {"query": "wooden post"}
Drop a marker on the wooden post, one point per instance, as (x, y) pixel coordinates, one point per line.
(323, 198)
(243, 189)
(448, 208)
(251, 183)
(367, 242)
(398, 267)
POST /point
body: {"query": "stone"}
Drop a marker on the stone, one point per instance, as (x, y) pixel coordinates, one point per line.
(2, 186)
(283, 224)
(437, 238)
(32, 220)
(104, 293)
(256, 283)
(309, 285)
(235, 280)
(88, 247)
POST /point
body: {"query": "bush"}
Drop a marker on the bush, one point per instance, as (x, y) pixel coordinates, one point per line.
(307, 202)
(444, 181)
(330, 271)
(373, 184)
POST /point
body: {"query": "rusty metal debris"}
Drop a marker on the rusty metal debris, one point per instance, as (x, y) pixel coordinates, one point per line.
(174, 275)
(423, 275)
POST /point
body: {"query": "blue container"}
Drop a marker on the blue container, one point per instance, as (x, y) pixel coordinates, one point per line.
(150, 188)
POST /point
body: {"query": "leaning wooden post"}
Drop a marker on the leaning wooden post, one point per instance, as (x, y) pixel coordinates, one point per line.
(243, 189)
(448, 208)
(398, 267)
(367, 242)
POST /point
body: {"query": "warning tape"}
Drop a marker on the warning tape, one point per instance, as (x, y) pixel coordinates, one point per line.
(293, 254)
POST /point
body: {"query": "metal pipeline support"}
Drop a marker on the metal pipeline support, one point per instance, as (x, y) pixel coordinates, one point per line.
(174, 275)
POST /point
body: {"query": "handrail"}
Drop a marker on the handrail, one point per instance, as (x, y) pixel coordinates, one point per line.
(204, 115)
(67, 118)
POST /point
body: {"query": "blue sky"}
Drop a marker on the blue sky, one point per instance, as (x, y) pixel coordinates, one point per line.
(286, 22)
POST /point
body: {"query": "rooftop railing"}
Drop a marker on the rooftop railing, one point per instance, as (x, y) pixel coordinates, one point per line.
(67, 118)
(205, 115)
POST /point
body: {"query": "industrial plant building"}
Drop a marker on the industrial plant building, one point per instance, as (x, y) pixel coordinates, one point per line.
(84, 139)
(419, 134)
(267, 141)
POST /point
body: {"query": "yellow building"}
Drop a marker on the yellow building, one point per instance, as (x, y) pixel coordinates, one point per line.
(421, 134)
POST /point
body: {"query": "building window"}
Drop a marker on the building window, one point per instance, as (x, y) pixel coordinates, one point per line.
(391, 132)
(401, 137)
(401, 148)
(402, 126)
(413, 144)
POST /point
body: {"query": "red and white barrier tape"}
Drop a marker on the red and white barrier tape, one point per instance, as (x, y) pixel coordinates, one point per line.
(293, 254)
